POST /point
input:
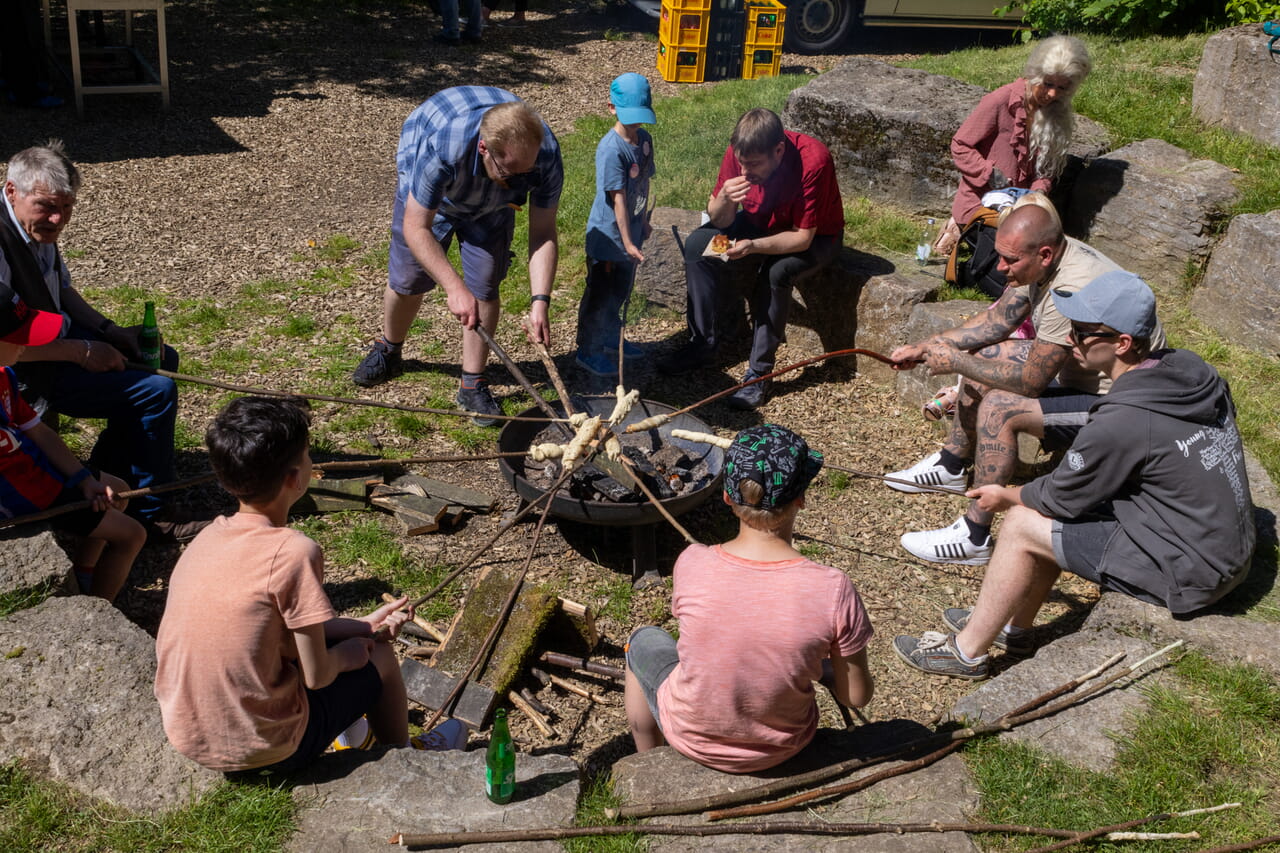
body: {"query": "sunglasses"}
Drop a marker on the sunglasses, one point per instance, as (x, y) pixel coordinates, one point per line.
(1079, 333)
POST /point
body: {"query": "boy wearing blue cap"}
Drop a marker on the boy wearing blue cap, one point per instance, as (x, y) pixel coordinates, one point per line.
(716, 696)
(618, 224)
(1152, 500)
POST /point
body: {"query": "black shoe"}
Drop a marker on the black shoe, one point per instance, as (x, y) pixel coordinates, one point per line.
(753, 396)
(450, 41)
(479, 400)
(382, 363)
(690, 357)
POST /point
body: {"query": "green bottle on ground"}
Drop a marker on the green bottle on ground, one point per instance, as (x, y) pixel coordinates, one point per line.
(149, 337)
(500, 762)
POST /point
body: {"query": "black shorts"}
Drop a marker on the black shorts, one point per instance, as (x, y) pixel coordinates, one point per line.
(1078, 546)
(81, 522)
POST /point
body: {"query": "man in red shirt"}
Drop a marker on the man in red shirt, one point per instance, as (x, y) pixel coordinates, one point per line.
(777, 200)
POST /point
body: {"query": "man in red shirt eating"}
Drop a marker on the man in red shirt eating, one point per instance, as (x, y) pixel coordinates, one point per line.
(778, 202)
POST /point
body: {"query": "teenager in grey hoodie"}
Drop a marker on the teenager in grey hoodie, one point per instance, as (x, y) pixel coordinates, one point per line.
(1152, 499)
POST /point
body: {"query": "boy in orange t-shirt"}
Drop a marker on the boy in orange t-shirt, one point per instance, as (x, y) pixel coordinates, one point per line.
(255, 669)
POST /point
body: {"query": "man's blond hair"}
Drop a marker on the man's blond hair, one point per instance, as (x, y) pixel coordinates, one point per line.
(511, 127)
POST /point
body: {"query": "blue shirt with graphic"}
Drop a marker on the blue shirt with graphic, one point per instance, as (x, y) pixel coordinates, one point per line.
(620, 166)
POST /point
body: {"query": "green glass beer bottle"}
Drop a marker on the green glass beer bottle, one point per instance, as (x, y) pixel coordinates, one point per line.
(500, 762)
(149, 337)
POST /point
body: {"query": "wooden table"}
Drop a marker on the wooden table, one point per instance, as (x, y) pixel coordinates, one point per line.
(157, 81)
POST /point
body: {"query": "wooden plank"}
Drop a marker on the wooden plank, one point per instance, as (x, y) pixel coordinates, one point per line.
(464, 497)
(429, 687)
(416, 525)
(334, 495)
(416, 513)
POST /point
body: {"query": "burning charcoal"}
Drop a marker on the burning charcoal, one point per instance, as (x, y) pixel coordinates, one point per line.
(669, 457)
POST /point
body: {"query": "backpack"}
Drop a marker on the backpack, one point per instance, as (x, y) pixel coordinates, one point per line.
(973, 261)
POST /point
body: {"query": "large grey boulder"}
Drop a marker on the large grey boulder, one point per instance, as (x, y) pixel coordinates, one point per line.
(1082, 735)
(78, 707)
(1235, 86)
(1240, 294)
(354, 803)
(944, 792)
(916, 387)
(889, 130)
(885, 304)
(31, 559)
(1151, 208)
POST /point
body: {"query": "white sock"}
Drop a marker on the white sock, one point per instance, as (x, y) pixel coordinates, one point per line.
(965, 658)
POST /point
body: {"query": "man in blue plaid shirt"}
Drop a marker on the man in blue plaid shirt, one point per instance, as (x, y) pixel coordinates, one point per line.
(469, 158)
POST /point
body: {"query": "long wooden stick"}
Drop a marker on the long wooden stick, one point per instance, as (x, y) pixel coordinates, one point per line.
(582, 665)
(55, 511)
(515, 371)
(781, 370)
(350, 401)
(1120, 827)
(657, 504)
(549, 363)
(946, 490)
(420, 841)
(535, 716)
(1247, 845)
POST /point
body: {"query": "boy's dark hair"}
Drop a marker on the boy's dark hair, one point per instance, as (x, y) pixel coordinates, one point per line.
(759, 131)
(253, 443)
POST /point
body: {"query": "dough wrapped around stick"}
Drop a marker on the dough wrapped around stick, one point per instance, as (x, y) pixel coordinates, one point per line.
(649, 423)
(573, 451)
(612, 448)
(577, 419)
(543, 452)
(626, 399)
(702, 437)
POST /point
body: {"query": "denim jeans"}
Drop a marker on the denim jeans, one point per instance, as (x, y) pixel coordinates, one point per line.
(600, 311)
(140, 409)
(449, 11)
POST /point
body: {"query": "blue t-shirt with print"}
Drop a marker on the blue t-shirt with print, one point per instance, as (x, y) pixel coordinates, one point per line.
(620, 166)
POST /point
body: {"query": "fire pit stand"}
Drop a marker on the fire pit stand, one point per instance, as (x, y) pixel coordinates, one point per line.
(642, 517)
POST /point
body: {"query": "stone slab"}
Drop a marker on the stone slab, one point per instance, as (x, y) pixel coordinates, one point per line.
(1239, 296)
(353, 803)
(885, 304)
(889, 130)
(78, 707)
(1081, 735)
(1235, 85)
(943, 792)
(1152, 208)
(661, 277)
(30, 558)
(916, 387)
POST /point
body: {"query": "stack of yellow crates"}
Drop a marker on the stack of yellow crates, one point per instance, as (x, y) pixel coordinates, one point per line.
(682, 40)
(762, 53)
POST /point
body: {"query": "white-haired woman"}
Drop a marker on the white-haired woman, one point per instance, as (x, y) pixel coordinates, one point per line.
(1018, 134)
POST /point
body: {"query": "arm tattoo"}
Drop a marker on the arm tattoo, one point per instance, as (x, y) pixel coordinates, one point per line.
(1025, 371)
(995, 324)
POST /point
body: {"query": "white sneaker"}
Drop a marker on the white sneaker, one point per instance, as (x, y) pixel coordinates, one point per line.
(948, 545)
(451, 734)
(926, 472)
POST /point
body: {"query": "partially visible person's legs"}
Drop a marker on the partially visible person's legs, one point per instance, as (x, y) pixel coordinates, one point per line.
(389, 714)
(770, 299)
(111, 549)
(651, 656)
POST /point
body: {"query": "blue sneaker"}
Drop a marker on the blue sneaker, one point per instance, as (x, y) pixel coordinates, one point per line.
(596, 363)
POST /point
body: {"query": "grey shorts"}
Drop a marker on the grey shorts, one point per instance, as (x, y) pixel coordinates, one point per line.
(1063, 412)
(1078, 546)
(651, 655)
(483, 244)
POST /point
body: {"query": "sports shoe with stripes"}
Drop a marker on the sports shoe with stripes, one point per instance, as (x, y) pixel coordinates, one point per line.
(1016, 645)
(927, 472)
(948, 545)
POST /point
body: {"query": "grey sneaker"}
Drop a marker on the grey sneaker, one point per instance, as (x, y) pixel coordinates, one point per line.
(479, 400)
(936, 654)
(1017, 646)
(381, 364)
(753, 396)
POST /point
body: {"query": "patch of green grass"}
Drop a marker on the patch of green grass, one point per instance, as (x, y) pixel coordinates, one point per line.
(39, 815)
(880, 229)
(617, 594)
(411, 426)
(337, 247)
(838, 481)
(811, 549)
(376, 258)
(1212, 740)
(597, 798)
(299, 326)
(24, 599)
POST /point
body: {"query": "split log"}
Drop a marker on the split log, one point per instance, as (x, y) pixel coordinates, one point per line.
(416, 513)
(449, 493)
(528, 696)
(581, 665)
(432, 688)
(484, 605)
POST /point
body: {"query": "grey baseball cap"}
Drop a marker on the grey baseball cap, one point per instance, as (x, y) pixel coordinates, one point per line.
(1117, 299)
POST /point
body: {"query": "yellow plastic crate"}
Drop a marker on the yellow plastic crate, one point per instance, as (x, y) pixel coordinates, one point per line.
(683, 28)
(682, 64)
(761, 62)
(766, 20)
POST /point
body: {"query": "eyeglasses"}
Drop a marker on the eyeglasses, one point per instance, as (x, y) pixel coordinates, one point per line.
(501, 171)
(1079, 334)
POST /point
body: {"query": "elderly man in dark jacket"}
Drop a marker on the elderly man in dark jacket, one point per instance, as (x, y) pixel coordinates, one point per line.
(1151, 501)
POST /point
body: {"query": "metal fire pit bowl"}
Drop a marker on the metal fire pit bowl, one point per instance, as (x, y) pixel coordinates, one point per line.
(518, 435)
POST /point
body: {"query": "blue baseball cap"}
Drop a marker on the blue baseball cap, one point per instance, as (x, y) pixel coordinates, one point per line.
(630, 96)
(1117, 299)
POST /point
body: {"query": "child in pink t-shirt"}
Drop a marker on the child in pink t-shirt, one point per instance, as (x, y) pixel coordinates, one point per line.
(717, 695)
